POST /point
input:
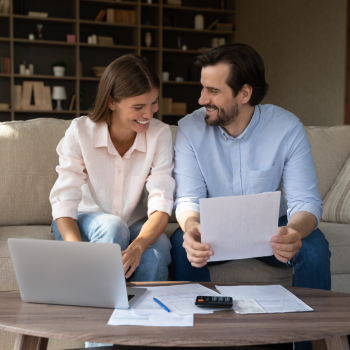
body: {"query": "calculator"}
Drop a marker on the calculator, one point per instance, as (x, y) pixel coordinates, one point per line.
(214, 302)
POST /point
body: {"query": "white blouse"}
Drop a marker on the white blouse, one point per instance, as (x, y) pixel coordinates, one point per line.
(93, 177)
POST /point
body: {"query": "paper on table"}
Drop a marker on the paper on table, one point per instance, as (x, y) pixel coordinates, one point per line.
(247, 306)
(180, 299)
(240, 227)
(273, 299)
(166, 319)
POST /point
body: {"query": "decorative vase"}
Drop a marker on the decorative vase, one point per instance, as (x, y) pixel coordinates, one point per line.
(59, 71)
(165, 76)
(199, 22)
(148, 39)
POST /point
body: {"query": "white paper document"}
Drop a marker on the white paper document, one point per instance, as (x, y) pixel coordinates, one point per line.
(180, 299)
(240, 227)
(161, 318)
(273, 299)
(247, 306)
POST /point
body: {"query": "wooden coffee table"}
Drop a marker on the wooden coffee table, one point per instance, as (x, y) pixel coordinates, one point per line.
(327, 327)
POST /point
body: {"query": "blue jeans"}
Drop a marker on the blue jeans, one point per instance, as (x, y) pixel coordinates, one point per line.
(106, 228)
(311, 265)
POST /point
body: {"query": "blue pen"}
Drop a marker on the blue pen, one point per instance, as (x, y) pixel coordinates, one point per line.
(162, 305)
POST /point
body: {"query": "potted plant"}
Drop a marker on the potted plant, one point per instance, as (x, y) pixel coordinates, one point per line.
(59, 68)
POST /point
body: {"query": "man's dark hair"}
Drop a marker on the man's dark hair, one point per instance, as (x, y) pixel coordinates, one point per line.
(246, 67)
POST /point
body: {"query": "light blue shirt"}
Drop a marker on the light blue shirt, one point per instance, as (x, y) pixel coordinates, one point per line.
(273, 151)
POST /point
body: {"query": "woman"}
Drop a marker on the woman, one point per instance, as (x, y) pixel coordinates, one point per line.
(105, 161)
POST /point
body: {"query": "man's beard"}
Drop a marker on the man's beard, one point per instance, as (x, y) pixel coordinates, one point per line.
(224, 117)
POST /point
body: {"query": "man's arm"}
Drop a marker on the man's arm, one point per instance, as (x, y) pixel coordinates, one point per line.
(197, 252)
(304, 200)
(288, 240)
(190, 187)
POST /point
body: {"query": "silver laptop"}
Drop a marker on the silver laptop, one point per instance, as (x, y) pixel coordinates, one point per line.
(71, 273)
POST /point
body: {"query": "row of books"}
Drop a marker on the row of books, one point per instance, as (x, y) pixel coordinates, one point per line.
(170, 107)
(23, 96)
(220, 26)
(116, 16)
(5, 65)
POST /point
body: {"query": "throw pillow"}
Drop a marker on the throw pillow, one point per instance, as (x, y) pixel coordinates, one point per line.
(336, 206)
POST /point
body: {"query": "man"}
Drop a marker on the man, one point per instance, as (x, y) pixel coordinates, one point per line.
(235, 146)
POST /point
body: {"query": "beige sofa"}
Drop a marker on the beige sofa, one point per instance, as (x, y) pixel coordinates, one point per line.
(27, 173)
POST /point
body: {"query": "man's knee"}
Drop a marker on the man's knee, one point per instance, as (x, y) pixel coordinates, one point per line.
(176, 238)
(315, 247)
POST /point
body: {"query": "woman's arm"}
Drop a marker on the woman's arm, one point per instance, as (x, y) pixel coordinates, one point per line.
(69, 229)
(150, 232)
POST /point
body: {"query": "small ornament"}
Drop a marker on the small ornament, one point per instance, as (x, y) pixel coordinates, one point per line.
(148, 39)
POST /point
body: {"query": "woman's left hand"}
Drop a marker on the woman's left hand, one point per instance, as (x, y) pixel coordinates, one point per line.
(131, 259)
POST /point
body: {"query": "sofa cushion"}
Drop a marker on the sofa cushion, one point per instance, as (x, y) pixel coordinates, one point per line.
(7, 273)
(336, 206)
(28, 160)
(338, 236)
(330, 150)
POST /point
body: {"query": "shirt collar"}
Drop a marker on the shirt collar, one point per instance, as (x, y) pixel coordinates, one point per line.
(248, 130)
(103, 139)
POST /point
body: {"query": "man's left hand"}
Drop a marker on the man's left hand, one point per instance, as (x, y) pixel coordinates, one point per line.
(286, 244)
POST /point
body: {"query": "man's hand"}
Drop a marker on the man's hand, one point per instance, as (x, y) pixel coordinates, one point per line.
(286, 244)
(131, 259)
(197, 253)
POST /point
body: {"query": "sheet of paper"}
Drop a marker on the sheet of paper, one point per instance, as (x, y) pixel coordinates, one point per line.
(240, 227)
(180, 299)
(273, 299)
(159, 319)
(248, 306)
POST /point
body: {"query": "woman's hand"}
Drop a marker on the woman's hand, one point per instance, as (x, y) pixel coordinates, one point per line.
(131, 259)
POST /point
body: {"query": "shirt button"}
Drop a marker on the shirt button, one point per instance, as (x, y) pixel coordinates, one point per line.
(244, 136)
(236, 172)
(118, 192)
(119, 171)
(117, 212)
(234, 143)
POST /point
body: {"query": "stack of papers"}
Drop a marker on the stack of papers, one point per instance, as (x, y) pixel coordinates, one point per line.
(180, 300)
(272, 299)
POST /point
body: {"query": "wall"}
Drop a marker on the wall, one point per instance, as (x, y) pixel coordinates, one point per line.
(303, 46)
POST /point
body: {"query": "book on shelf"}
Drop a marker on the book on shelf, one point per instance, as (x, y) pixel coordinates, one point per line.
(105, 40)
(121, 16)
(72, 102)
(39, 97)
(17, 95)
(179, 107)
(5, 65)
(167, 105)
(224, 26)
(100, 16)
(38, 14)
(174, 2)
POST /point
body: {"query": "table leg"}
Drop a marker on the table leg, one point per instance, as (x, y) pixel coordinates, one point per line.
(30, 342)
(333, 343)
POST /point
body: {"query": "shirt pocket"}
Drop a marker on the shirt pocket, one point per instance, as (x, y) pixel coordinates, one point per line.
(137, 184)
(264, 180)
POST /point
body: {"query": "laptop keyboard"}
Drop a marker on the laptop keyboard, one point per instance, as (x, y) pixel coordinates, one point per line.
(130, 297)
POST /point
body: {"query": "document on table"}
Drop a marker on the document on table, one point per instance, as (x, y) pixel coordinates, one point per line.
(273, 299)
(180, 299)
(161, 318)
(240, 227)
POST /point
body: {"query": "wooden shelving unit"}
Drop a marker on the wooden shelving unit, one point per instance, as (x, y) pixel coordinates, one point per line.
(77, 17)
